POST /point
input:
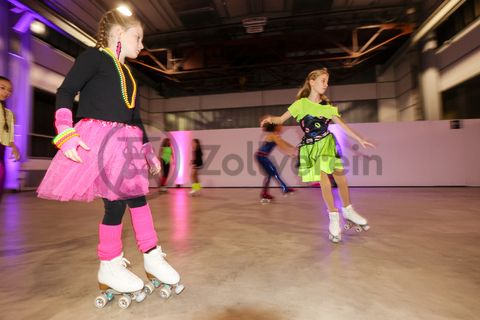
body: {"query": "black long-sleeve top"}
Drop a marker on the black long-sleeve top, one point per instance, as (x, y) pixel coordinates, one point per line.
(94, 74)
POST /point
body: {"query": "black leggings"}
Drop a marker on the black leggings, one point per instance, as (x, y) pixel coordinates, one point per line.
(114, 210)
(165, 169)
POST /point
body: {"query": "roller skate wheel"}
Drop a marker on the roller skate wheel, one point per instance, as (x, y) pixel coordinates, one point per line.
(165, 292)
(109, 295)
(179, 288)
(149, 288)
(139, 297)
(366, 227)
(124, 302)
(155, 282)
(101, 301)
(265, 201)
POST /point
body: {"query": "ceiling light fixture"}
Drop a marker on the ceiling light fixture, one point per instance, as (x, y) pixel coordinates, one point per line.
(37, 27)
(124, 10)
(254, 25)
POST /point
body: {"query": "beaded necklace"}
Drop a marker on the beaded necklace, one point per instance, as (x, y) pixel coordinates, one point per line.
(123, 82)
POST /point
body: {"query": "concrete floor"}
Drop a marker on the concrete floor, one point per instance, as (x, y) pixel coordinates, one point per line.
(241, 260)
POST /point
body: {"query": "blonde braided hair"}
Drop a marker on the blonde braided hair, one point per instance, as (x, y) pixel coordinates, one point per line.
(108, 21)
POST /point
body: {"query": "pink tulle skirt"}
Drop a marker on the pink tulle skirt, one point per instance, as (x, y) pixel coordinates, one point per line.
(114, 168)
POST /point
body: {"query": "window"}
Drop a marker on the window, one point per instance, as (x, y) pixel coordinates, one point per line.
(468, 12)
(359, 111)
(62, 42)
(461, 101)
(43, 130)
(355, 111)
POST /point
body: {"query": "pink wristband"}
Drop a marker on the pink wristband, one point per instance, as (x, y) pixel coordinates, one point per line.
(72, 143)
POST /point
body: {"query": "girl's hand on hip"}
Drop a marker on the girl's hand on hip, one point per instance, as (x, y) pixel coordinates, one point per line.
(155, 169)
(72, 153)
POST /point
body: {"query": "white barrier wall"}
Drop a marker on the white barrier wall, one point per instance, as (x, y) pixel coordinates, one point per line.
(423, 153)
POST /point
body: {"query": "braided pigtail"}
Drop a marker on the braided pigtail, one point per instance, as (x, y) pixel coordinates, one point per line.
(102, 35)
(108, 21)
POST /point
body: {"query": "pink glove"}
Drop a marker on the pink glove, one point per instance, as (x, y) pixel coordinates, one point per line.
(63, 120)
(151, 157)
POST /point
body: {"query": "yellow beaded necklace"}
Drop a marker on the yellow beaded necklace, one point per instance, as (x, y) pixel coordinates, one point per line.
(123, 82)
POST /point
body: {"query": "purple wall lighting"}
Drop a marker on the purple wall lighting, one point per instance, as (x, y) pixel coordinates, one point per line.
(180, 221)
(20, 103)
(18, 70)
(23, 24)
(29, 15)
(183, 143)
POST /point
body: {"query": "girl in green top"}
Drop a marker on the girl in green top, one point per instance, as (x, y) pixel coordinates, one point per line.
(166, 157)
(319, 154)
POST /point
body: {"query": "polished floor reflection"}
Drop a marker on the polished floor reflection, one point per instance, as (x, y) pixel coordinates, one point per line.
(243, 260)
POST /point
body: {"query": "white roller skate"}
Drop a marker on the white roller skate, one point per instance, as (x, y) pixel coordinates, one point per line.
(161, 274)
(115, 279)
(353, 219)
(266, 198)
(335, 232)
(289, 192)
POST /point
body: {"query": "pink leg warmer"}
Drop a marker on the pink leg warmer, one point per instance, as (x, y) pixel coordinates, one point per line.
(143, 225)
(110, 241)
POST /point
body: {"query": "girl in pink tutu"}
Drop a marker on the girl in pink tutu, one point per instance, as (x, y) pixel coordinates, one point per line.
(107, 155)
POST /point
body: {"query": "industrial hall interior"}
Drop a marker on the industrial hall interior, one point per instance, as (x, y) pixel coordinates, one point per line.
(239, 159)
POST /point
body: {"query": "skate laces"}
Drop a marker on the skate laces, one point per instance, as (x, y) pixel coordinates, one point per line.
(119, 263)
(124, 262)
(162, 254)
(159, 252)
(354, 216)
(351, 213)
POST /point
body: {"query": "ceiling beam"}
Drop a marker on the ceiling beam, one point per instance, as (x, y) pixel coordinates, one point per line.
(61, 22)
